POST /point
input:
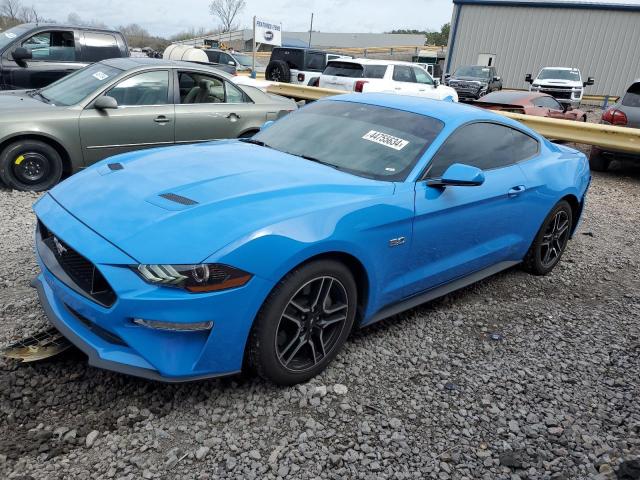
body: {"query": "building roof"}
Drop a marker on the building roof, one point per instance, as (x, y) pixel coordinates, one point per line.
(631, 5)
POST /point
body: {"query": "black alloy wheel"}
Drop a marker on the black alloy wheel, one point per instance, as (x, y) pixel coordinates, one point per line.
(311, 324)
(303, 323)
(551, 240)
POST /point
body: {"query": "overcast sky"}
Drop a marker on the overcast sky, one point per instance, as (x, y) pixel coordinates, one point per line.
(167, 17)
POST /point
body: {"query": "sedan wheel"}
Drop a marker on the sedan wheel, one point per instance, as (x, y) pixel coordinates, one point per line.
(303, 323)
(551, 240)
(30, 165)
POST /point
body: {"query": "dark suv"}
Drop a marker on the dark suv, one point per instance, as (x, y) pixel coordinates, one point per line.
(474, 81)
(35, 55)
(298, 65)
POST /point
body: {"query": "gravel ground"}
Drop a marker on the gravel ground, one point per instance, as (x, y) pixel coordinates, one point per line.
(517, 377)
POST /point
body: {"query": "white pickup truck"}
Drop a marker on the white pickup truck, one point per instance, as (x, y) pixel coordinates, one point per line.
(383, 76)
(563, 83)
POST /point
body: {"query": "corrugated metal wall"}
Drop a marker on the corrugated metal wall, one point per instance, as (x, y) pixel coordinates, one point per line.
(604, 44)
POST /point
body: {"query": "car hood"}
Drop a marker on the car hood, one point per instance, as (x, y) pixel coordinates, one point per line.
(182, 204)
(13, 100)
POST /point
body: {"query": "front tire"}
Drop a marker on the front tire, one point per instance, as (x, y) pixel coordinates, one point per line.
(551, 240)
(597, 162)
(303, 323)
(278, 71)
(30, 165)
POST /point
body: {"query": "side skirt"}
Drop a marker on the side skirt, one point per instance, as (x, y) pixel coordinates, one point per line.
(440, 291)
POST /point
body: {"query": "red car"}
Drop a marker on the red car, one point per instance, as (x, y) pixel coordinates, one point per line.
(529, 103)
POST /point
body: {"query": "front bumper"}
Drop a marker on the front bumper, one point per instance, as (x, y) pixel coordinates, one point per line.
(108, 335)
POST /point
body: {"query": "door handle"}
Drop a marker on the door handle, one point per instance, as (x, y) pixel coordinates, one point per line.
(515, 191)
(161, 119)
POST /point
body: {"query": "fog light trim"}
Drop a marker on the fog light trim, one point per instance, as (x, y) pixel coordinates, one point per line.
(174, 326)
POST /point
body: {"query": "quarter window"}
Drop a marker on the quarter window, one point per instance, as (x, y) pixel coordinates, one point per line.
(547, 102)
(149, 88)
(53, 46)
(483, 145)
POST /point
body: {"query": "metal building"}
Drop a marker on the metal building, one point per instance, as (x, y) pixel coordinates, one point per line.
(601, 38)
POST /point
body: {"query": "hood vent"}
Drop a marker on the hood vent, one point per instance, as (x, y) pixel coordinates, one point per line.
(178, 199)
(115, 166)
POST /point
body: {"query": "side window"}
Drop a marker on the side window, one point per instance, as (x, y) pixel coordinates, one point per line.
(547, 102)
(53, 46)
(483, 145)
(198, 87)
(315, 61)
(214, 57)
(225, 58)
(234, 95)
(149, 88)
(99, 46)
(422, 76)
(403, 73)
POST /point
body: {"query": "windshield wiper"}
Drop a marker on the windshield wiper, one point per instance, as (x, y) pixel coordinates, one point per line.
(316, 160)
(253, 141)
(33, 93)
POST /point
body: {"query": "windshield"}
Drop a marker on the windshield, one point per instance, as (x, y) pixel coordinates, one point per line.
(11, 34)
(77, 86)
(246, 60)
(366, 140)
(474, 71)
(559, 74)
(632, 97)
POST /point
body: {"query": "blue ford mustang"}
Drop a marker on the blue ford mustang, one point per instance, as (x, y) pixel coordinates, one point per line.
(189, 262)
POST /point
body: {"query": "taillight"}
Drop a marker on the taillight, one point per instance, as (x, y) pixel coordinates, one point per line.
(615, 117)
(359, 86)
(301, 77)
(315, 82)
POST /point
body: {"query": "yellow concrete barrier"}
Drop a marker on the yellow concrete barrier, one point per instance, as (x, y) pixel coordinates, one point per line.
(604, 136)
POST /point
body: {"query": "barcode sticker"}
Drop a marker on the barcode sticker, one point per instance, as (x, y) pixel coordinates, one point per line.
(385, 139)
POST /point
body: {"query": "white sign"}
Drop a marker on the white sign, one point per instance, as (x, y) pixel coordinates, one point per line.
(268, 32)
(386, 139)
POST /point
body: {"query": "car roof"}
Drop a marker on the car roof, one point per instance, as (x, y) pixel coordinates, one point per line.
(560, 68)
(129, 63)
(451, 113)
(511, 97)
(373, 61)
(63, 26)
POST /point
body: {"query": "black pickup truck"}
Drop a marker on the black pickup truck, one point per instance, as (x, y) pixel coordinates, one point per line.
(474, 81)
(35, 55)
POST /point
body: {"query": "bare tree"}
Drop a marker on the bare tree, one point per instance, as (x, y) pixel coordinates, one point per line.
(227, 11)
(75, 19)
(30, 15)
(136, 35)
(11, 9)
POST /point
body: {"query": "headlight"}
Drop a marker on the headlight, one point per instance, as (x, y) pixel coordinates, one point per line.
(535, 87)
(194, 278)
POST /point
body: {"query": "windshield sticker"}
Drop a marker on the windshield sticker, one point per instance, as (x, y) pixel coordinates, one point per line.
(100, 76)
(386, 140)
(485, 69)
(10, 35)
(390, 169)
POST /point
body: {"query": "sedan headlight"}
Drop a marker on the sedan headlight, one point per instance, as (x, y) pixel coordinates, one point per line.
(535, 87)
(204, 277)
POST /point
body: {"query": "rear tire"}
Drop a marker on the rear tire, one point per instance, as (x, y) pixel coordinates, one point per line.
(303, 323)
(30, 165)
(550, 241)
(278, 71)
(597, 162)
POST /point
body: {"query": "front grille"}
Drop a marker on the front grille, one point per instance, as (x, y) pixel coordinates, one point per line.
(80, 270)
(174, 197)
(558, 92)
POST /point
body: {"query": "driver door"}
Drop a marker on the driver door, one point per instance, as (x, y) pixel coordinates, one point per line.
(460, 230)
(425, 85)
(144, 118)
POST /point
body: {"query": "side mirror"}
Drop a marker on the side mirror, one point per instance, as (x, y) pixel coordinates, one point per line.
(496, 79)
(21, 54)
(436, 82)
(447, 75)
(266, 125)
(528, 78)
(566, 107)
(459, 174)
(589, 81)
(231, 62)
(105, 102)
